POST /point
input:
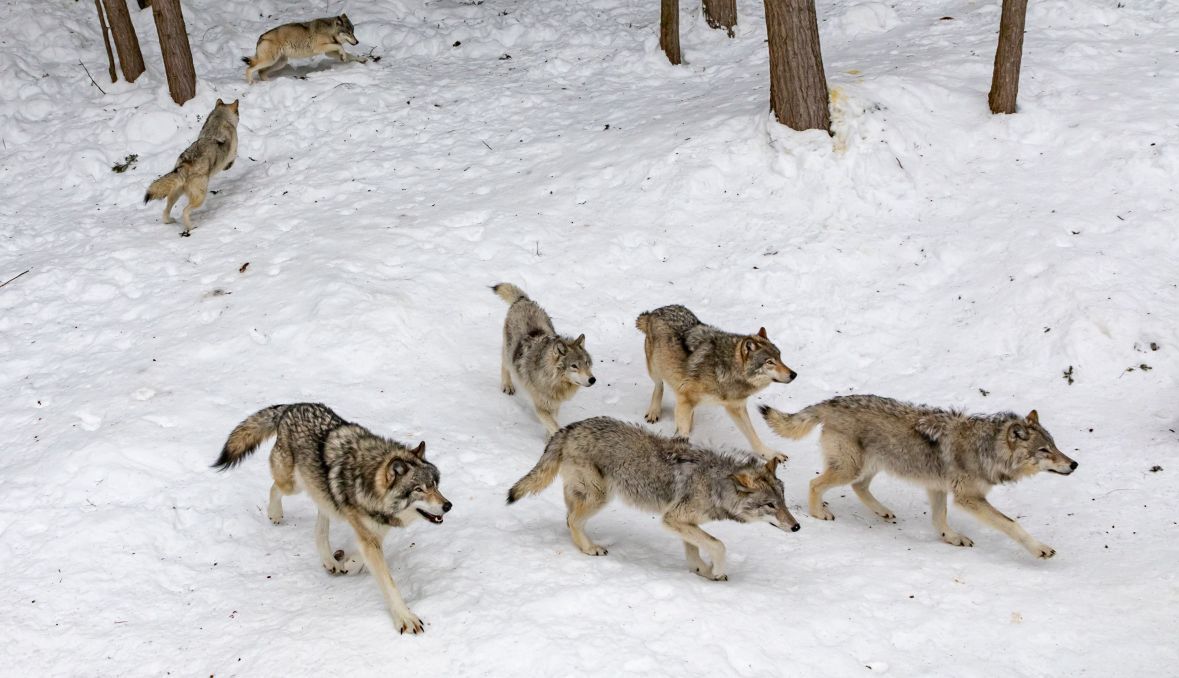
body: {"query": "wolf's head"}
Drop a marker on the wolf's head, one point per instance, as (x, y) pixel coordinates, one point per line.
(762, 361)
(229, 109)
(344, 30)
(575, 362)
(758, 497)
(406, 486)
(1032, 449)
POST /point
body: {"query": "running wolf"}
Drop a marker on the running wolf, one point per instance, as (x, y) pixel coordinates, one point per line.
(214, 151)
(550, 367)
(301, 40)
(370, 482)
(687, 485)
(944, 450)
(704, 364)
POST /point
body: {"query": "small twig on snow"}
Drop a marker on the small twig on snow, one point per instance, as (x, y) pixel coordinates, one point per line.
(15, 277)
(488, 147)
(100, 89)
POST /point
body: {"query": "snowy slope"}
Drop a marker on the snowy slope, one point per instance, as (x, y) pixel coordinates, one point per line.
(930, 251)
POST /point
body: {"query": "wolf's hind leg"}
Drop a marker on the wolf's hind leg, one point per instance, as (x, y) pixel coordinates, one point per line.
(937, 511)
(870, 500)
(583, 498)
(282, 469)
(505, 372)
(841, 461)
(349, 564)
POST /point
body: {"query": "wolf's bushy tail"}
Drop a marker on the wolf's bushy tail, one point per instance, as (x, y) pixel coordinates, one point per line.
(545, 471)
(508, 292)
(249, 61)
(160, 188)
(643, 322)
(248, 435)
(794, 425)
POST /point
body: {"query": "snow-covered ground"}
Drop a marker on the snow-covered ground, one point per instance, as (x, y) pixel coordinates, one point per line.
(930, 251)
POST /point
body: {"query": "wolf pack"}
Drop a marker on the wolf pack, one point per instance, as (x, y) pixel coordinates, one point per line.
(374, 483)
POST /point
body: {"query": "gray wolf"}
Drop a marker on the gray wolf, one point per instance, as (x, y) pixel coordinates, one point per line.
(370, 482)
(703, 364)
(944, 450)
(301, 40)
(214, 151)
(687, 485)
(550, 367)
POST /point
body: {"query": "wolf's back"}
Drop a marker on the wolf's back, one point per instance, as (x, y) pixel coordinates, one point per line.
(248, 435)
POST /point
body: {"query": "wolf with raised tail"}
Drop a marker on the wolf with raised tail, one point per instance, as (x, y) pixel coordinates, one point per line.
(687, 485)
(945, 451)
(549, 366)
(368, 481)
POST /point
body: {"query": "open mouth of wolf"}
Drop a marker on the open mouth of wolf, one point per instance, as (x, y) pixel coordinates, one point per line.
(437, 520)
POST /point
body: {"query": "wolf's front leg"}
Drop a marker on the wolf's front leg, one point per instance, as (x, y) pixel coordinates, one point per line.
(348, 564)
(374, 559)
(548, 417)
(699, 539)
(980, 508)
(740, 415)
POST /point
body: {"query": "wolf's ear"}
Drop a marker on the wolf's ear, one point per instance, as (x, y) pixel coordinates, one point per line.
(394, 470)
(579, 341)
(220, 102)
(744, 481)
(562, 349)
(420, 450)
(1017, 431)
(747, 347)
(772, 465)
(1033, 418)
(234, 105)
(762, 333)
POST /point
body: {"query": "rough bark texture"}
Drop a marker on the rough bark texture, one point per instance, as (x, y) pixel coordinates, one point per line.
(130, 58)
(669, 29)
(1005, 80)
(721, 14)
(798, 88)
(106, 39)
(176, 52)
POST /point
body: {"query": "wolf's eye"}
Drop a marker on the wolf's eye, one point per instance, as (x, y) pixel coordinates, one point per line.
(769, 505)
(573, 366)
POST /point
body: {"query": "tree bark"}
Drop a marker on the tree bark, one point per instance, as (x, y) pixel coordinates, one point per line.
(798, 88)
(669, 30)
(130, 58)
(174, 45)
(106, 40)
(721, 14)
(1005, 80)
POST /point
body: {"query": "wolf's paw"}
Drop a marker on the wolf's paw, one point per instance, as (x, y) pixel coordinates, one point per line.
(822, 513)
(1043, 551)
(275, 515)
(508, 389)
(343, 564)
(888, 516)
(778, 457)
(409, 623)
(185, 234)
(168, 219)
(955, 539)
(706, 572)
(652, 417)
(595, 550)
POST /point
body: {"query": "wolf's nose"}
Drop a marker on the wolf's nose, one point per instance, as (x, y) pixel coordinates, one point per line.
(446, 507)
(592, 380)
(1072, 466)
(793, 374)
(796, 527)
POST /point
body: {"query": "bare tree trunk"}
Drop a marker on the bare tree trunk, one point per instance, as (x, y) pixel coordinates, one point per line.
(177, 53)
(130, 58)
(798, 88)
(1005, 80)
(669, 30)
(721, 14)
(106, 39)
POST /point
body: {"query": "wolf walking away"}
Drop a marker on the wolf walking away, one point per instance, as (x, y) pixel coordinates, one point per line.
(214, 151)
(688, 485)
(301, 40)
(945, 451)
(550, 367)
(704, 364)
(370, 482)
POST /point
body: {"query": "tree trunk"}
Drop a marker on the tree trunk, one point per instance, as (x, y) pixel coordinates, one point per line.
(798, 88)
(130, 58)
(106, 40)
(721, 14)
(1005, 80)
(669, 30)
(176, 52)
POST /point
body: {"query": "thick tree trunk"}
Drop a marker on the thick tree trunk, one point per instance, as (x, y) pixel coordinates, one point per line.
(106, 40)
(721, 14)
(669, 30)
(1005, 80)
(130, 58)
(798, 88)
(174, 45)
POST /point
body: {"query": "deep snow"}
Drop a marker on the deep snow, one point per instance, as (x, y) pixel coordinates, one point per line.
(930, 251)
